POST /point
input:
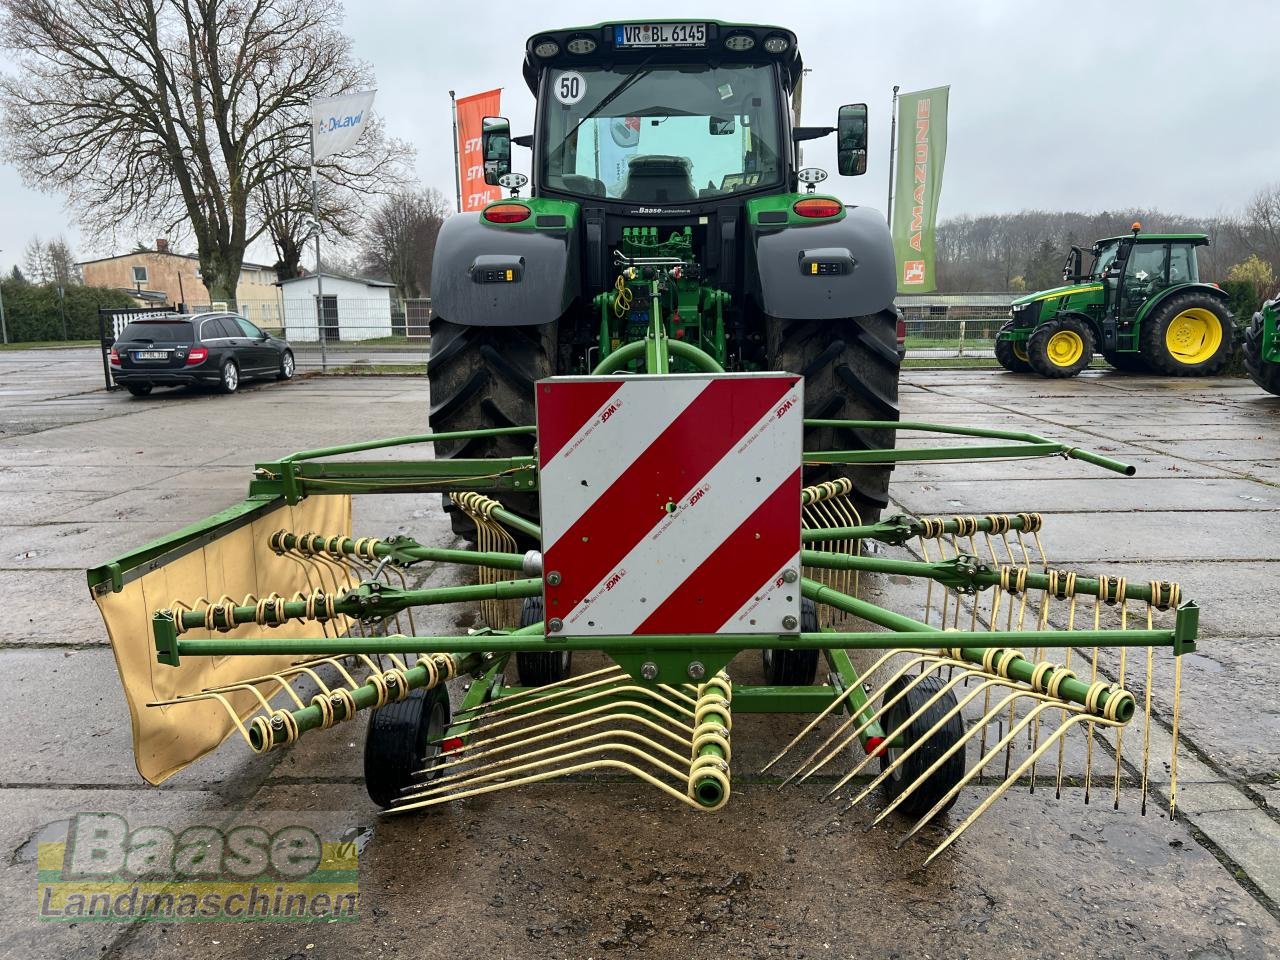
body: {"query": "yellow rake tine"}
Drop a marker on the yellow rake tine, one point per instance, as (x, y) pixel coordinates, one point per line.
(946, 688)
(972, 772)
(828, 710)
(999, 791)
(558, 752)
(596, 695)
(878, 692)
(563, 688)
(594, 721)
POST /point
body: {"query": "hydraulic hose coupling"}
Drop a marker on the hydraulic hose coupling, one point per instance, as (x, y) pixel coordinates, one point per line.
(709, 783)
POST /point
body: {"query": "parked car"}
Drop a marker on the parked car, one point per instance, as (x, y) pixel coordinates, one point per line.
(217, 349)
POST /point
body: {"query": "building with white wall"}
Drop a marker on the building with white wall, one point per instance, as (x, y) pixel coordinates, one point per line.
(354, 309)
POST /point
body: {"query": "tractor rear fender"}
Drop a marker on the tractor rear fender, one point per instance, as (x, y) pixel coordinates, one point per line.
(491, 275)
(854, 255)
(1154, 303)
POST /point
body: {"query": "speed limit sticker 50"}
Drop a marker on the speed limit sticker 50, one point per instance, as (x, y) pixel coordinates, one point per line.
(569, 87)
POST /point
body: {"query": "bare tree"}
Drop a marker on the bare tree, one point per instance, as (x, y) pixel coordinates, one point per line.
(400, 239)
(52, 262)
(176, 115)
(284, 207)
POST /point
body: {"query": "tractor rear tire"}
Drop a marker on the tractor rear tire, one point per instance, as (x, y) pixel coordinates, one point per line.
(1264, 373)
(399, 742)
(1060, 348)
(922, 799)
(851, 370)
(540, 667)
(483, 377)
(1012, 354)
(1128, 361)
(1188, 335)
(794, 668)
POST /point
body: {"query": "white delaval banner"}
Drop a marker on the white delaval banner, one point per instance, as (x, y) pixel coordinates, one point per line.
(671, 504)
(339, 121)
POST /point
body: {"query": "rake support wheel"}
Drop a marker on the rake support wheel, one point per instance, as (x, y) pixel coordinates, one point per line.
(928, 793)
(398, 742)
(794, 668)
(483, 377)
(851, 370)
(539, 667)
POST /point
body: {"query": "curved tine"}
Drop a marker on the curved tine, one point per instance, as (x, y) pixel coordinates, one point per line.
(910, 719)
(960, 744)
(566, 688)
(876, 715)
(675, 692)
(532, 691)
(559, 751)
(829, 709)
(551, 775)
(582, 725)
(315, 678)
(1012, 779)
(554, 721)
(596, 695)
(991, 754)
(333, 662)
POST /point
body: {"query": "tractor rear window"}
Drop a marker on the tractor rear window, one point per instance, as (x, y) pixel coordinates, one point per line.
(179, 332)
(668, 134)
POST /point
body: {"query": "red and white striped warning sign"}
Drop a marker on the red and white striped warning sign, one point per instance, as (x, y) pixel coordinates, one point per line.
(671, 504)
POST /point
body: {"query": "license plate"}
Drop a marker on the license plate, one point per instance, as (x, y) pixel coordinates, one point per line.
(660, 35)
(151, 355)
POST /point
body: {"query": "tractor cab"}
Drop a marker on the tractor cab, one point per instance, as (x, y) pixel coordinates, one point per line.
(1140, 303)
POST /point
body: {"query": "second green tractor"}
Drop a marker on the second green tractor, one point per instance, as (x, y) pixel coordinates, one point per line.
(1141, 305)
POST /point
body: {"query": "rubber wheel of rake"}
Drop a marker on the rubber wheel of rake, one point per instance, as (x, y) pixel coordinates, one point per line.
(1188, 335)
(794, 668)
(483, 377)
(1264, 374)
(538, 668)
(922, 799)
(1060, 348)
(1007, 352)
(1128, 361)
(398, 742)
(850, 369)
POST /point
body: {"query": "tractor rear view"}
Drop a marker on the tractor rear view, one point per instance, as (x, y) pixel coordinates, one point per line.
(666, 183)
(1262, 347)
(1141, 305)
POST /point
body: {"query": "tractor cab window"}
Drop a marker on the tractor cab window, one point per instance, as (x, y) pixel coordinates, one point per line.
(1102, 260)
(1183, 265)
(1146, 273)
(656, 135)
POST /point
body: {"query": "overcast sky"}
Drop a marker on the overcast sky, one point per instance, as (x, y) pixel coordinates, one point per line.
(1065, 105)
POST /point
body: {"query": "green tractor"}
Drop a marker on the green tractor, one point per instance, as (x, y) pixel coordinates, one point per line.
(666, 182)
(1141, 304)
(1262, 347)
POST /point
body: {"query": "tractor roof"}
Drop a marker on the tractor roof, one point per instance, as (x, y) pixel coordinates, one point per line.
(1199, 239)
(607, 51)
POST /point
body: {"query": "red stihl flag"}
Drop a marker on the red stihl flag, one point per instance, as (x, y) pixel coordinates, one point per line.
(471, 111)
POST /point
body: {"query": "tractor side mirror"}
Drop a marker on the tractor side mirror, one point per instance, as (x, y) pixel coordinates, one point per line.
(851, 140)
(495, 146)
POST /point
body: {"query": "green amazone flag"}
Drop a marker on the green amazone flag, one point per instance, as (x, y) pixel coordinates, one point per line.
(922, 148)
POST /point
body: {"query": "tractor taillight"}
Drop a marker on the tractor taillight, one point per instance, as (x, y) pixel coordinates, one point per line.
(506, 213)
(817, 208)
(197, 355)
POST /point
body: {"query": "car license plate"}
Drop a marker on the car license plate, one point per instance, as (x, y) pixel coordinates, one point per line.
(151, 355)
(660, 35)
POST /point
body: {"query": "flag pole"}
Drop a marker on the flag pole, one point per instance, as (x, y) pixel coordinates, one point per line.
(315, 218)
(893, 145)
(457, 170)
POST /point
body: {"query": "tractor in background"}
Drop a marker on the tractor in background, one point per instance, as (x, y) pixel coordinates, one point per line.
(1141, 305)
(1262, 347)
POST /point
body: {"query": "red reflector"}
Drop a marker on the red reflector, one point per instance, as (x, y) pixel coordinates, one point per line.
(875, 746)
(115, 358)
(197, 355)
(902, 329)
(817, 207)
(506, 213)
(451, 744)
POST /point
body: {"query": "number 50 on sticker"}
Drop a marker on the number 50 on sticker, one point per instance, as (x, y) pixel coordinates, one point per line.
(569, 87)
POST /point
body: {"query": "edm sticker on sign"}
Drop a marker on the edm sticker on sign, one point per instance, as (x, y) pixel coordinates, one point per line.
(570, 87)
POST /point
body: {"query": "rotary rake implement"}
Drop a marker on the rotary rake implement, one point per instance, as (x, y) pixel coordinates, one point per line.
(675, 534)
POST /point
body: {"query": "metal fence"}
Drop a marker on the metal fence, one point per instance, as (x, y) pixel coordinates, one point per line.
(954, 326)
